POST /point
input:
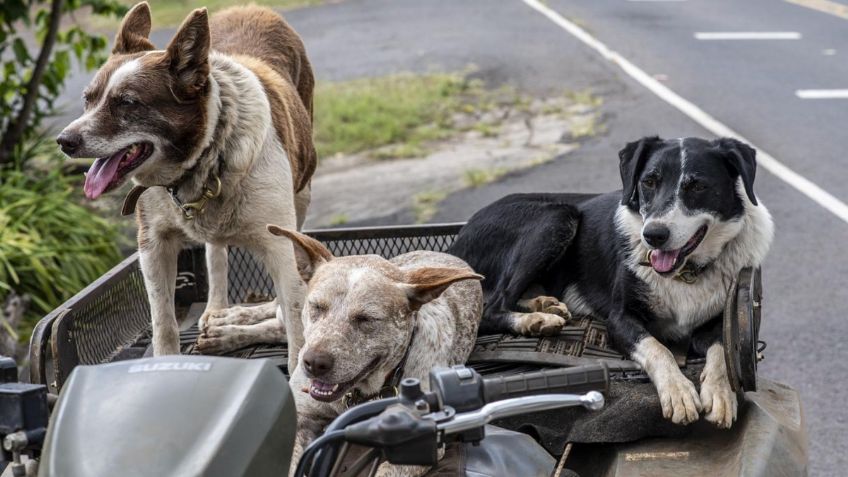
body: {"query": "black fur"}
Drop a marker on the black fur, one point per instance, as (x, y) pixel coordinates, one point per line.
(512, 242)
(558, 240)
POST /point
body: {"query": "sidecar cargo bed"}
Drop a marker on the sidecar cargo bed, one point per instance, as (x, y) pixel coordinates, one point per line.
(109, 321)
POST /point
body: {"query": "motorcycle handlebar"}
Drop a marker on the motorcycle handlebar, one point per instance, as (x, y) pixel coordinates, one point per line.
(578, 380)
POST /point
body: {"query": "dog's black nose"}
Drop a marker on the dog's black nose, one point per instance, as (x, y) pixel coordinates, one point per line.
(70, 142)
(317, 363)
(656, 235)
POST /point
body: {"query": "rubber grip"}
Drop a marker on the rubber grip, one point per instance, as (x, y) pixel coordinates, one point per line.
(576, 380)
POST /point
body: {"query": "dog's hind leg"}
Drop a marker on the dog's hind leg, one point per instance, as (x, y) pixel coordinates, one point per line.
(535, 300)
(158, 260)
(217, 267)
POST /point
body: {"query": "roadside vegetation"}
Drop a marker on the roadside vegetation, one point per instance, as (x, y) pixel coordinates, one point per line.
(171, 13)
(433, 134)
(51, 245)
(401, 111)
(396, 116)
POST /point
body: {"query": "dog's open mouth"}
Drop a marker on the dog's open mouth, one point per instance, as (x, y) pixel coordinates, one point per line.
(667, 261)
(109, 172)
(329, 392)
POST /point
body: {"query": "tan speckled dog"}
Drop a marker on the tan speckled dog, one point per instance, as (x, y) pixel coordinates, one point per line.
(369, 321)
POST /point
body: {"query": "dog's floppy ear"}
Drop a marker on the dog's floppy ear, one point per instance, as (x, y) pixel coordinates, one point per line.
(425, 284)
(134, 31)
(632, 161)
(742, 160)
(308, 252)
(188, 55)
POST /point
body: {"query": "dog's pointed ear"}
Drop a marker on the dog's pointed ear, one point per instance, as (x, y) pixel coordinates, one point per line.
(309, 253)
(188, 55)
(743, 161)
(632, 161)
(425, 284)
(134, 31)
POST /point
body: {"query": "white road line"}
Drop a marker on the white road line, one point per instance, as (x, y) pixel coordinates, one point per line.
(747, 35)
(646, 1)
(822, 93)
(767, 161)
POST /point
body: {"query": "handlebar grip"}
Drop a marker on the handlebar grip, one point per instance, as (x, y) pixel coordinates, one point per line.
(576, 380)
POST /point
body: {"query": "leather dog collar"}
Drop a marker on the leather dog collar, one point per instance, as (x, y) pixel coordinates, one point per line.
(189, 209)
(131, 200)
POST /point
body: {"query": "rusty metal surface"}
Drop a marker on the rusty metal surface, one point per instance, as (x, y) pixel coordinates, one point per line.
(768, 440)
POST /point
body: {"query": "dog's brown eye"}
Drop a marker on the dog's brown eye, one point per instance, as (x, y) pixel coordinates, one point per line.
(649, 183)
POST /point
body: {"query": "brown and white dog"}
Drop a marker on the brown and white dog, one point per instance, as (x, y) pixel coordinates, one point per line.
(369, 321)
(215, 130)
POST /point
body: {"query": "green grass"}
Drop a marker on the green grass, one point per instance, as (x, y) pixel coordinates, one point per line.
(478, 177)
(363, 114)
(339, 219)
(426, 204)
(170, 13)
(589, 127)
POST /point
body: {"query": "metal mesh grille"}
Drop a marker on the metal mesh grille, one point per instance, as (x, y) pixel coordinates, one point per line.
(248, 280)
(111, 321)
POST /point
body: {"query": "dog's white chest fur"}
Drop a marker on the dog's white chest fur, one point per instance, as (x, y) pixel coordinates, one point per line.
(682, 307)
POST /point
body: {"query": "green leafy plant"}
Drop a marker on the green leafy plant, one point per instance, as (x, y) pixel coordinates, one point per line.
(50, 246)
(33, 76)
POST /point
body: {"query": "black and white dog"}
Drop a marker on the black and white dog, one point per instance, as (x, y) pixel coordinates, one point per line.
(657, 259)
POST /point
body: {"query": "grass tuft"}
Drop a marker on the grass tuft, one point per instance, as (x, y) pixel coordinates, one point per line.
(339, 219)
(426, 204)
(478, 177)
(359, 115)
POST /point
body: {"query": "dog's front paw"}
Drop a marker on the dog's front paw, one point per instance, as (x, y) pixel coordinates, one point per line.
(206, 317)
(234, 315)
(679, 398)
(537, 324)
(718, 400)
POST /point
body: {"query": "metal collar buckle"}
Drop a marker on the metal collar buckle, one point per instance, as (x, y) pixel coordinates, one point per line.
(192, 209)
(355, 397)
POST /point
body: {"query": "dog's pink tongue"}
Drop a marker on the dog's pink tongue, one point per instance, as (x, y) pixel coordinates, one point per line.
(663, 260)
(100, 175)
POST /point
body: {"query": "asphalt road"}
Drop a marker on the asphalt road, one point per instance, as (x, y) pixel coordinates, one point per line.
(748, 85)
